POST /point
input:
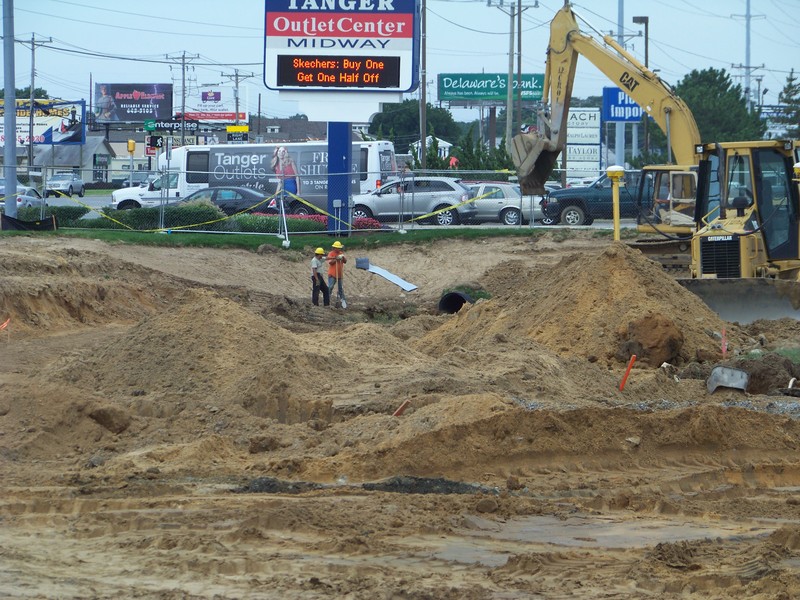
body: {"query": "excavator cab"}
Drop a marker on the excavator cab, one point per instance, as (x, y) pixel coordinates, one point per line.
(746, 254)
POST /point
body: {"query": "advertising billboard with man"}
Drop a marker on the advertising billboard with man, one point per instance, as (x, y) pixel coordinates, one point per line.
(132, 102)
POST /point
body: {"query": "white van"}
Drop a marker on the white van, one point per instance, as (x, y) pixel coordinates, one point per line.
(250, 165)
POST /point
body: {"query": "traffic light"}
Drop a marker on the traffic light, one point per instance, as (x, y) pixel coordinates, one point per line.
(155, 141)
(131, 146)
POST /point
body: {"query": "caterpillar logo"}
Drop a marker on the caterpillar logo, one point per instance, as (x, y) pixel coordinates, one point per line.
(720, 238)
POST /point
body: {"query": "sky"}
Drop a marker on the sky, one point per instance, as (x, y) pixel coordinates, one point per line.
(83, 41)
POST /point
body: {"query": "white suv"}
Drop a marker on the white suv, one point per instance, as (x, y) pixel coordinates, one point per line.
(415, 196)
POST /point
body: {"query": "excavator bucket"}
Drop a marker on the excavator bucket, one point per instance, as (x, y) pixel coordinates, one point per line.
(746, 300)
(534, 158)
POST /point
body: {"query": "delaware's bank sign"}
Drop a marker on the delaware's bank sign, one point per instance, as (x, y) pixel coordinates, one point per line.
(487, 87)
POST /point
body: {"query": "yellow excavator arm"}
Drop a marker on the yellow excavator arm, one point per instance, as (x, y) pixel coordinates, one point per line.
(535, 154)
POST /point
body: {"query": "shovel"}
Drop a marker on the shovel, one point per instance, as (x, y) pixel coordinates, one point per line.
(727, 377)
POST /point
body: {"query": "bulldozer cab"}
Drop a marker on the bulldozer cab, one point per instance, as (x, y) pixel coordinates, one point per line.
(751, 187)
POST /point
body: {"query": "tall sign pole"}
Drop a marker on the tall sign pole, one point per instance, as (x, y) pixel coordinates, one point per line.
(370, 49)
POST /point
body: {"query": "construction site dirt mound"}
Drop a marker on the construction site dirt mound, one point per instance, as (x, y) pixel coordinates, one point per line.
(181, 422)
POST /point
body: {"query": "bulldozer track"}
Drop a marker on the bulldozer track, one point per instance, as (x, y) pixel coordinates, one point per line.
(674, 255)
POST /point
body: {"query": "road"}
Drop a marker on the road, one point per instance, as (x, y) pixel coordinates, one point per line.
(94, 202)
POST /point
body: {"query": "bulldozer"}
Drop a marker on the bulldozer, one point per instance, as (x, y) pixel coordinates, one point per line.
(745, 261)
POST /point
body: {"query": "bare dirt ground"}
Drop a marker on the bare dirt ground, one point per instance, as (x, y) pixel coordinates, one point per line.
(183, 423)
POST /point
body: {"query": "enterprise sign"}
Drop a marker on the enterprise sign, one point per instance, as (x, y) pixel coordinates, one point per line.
(342, 45)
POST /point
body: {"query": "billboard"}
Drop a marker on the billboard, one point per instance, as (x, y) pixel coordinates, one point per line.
(132, 102)
(487, 87)
(55, 122)
(215, 104)
(342, 46)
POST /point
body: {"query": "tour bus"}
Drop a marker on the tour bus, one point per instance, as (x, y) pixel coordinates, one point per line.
(250, 165)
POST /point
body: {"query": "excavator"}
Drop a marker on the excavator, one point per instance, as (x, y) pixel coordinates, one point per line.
(666, 192)
(734, 204)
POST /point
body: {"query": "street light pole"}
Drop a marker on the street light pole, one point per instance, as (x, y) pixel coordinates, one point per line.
(646, 22)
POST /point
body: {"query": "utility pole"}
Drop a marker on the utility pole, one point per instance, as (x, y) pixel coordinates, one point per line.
(235, 78)
(511, 12)
(423, 117)
(183, 58)
(747, 66)
(645, 20)
(520, 8)
(33, 43)
(619, 138)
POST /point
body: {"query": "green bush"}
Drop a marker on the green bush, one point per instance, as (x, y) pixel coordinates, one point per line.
(257, 223)
(66, 216)
(191, 216)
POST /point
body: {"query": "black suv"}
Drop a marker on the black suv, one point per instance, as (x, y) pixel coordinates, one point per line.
(582, 205)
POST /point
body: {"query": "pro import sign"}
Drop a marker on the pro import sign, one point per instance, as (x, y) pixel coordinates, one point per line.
(619, 107)
(342, 45)
(487, 87)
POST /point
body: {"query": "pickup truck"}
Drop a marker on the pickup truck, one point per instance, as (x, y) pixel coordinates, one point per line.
(582, 205)
(147, 195)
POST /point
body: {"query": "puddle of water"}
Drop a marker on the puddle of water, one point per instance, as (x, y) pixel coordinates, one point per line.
(608, 532)
(487, 543)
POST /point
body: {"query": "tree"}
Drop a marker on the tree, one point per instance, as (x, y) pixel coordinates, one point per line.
(790, 98)
(719, 108)
(403, 120)
(475, 156)
(25, 93)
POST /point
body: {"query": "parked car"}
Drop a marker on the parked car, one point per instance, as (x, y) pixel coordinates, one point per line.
(582, 205)
(502, 201)
(29, 198)
(26, 195)
(233, 200)
(65, 184)
(148, 194)
(581, 181)
(416, 196)
(138, 177)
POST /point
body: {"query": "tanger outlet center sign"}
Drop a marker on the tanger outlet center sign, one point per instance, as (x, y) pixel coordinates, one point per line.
(342, 45)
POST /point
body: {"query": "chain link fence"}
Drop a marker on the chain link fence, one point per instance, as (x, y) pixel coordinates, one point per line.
(148, 201)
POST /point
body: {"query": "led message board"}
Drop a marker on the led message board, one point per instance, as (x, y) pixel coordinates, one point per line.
(342, 45)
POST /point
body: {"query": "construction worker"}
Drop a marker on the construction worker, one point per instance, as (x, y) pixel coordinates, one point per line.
(318, 279)
(336, 262)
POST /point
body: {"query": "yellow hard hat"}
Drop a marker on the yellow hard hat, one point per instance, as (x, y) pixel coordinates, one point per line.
(337, 244)
(319, 251)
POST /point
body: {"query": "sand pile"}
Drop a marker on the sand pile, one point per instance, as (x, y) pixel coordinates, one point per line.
(206, 348)
(53, 290)
(603, 306)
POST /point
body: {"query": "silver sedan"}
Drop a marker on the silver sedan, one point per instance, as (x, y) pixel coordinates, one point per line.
(29, 198)
(500, 201)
